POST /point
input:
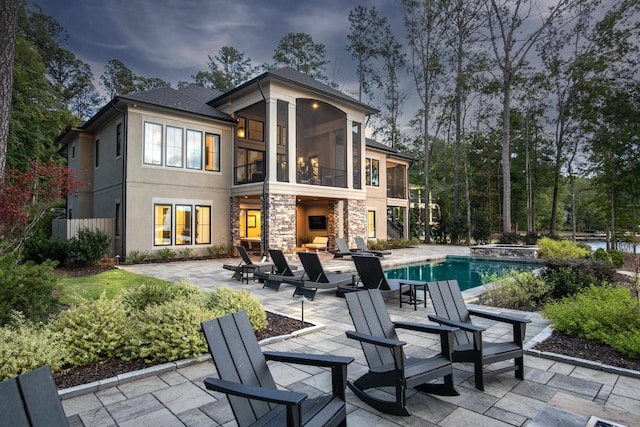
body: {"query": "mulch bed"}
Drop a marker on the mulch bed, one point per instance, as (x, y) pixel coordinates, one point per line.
(277, 325)
(585, 349)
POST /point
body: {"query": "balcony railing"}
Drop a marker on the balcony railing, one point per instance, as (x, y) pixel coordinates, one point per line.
(252, 172)
(324, 176)
(396, 191)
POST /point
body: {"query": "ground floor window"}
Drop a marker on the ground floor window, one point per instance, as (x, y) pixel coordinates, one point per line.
(203, 224)
(371, 224)
(181, 224)
(162, 225)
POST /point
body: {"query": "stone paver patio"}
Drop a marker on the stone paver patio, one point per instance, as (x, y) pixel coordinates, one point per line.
(557, 391)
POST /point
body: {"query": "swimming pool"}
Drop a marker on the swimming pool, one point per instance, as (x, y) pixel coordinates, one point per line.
(466, 270)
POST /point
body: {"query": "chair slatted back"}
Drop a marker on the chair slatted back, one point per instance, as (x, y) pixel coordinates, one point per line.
(342, 245)
(370, 316)
(11, 407)
(245, 256)
(238, 358)
(361, 244)
(448, 303)
(370, 272)
(312, 267)
(41, 400)
(280, 261)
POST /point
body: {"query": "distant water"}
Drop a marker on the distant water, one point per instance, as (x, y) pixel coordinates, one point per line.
(597, 244)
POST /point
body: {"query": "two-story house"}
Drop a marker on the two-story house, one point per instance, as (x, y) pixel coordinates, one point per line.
(278, 159)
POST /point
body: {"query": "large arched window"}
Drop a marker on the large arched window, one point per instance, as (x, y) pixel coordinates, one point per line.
(321, 153)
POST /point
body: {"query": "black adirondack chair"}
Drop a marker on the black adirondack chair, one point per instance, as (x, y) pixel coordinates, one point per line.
(31, 399)
(362, 246)
(451, 310)
(250, 388)
(282, 272)
(388, 365)
(316, 278)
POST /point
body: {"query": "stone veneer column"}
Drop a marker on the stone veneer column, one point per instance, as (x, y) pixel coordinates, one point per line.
(281, 211)
(332, 220)
(355, 220)
(234, 207)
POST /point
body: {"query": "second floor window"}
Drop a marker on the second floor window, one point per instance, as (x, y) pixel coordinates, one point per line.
(372, 172)
(152, 143)
(180, 148)
(249, 166)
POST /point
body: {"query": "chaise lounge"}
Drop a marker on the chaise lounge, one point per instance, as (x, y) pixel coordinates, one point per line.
(318, 243)
(316, 278)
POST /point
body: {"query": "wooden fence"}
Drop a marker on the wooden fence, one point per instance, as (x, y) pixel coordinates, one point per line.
(65, 229)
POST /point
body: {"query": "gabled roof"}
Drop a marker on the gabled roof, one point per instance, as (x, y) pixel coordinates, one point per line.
(390, 150)
(292, 76)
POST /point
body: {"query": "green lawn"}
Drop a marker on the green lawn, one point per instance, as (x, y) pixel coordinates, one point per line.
(110, 282)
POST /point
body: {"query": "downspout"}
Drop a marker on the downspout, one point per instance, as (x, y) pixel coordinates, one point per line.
(123, 202)
(263, 234)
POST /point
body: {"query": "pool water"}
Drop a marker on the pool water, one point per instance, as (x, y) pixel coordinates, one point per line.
(468, 271)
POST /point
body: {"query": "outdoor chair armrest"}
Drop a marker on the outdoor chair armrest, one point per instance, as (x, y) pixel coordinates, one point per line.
(282, 397)
(421, 327)
(461, 325)
(370, 339)
(323, 360)
(500, 317)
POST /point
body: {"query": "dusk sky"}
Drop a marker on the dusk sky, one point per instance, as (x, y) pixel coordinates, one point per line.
(171, 39)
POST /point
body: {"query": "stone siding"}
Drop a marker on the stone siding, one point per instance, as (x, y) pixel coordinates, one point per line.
(355, 220)
(504, 251)
(281, 229)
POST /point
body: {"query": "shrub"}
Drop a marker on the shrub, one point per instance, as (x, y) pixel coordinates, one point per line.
(170, 331)
(137, 257)
(26, 346)
(93, 331)
(149, 294)
(520, 291)
(165, 254)
(227, 300)
(549, 248)
(218, 251)
(40, 249)
(27, 288)
(602, 313)
(509, 238)
(88, 247)
(481, 229)
(531, 238)
(186, 253)
(613, 257)
(568, 276)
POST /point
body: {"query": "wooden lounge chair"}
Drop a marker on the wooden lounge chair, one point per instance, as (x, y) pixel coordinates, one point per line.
(31, 399)
(451, 310)
(250, 388)
(282, 272)
(372, 277)
(247, 268)
(388, 365)
(316, 278)
(362, 247)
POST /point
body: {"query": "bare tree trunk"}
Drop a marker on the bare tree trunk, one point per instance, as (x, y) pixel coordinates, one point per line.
(8, 25)
(506, 155)
(468, 199)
